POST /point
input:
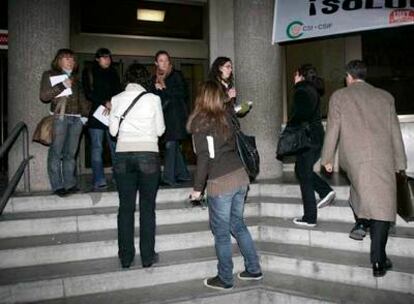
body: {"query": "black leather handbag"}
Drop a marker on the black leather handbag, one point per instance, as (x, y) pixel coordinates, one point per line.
(293, 140)
(405, 196)
(247, 150)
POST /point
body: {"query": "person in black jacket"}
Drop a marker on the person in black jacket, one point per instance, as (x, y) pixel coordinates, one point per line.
(100, 83)
(170, 86)
(306, 110)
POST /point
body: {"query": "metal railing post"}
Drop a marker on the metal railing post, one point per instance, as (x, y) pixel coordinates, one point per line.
(26, 156)
(23, 168)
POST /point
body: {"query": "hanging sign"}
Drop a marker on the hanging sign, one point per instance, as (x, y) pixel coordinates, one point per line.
(303, 19)
(4, 39)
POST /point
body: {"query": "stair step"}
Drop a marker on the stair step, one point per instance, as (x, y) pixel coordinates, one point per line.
(94, 200)
(333, 235)
(103, 244)
(292, 207)
(58, 248)
(339, 266)
(183, 292)
(103, 219)
(82, 220)
(291, 272)
(174, 266)
(275, 288)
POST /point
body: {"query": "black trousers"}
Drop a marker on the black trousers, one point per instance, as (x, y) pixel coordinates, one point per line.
(378, 231)
(310, 182)
(379, 236)
(137, 171)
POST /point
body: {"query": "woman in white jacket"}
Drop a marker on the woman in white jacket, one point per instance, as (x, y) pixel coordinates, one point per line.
(137, 164)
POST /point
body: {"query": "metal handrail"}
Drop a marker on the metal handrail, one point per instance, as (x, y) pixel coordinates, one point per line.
(24, 167)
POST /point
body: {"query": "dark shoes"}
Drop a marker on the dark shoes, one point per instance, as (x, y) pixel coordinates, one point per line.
(217, 283)
(380, 269)
(247, 276)
(154, 260)
(100, 188)
(61, 192)
(327, 200)
(73, 190)
(166, 183)
(358, 232)
(126, 258)
(127, 262)
(65, 192)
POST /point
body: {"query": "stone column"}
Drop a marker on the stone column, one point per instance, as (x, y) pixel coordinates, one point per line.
(258, 72)
(221, 28)
(37, 29)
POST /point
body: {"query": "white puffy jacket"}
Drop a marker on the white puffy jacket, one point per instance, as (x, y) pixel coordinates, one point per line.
(142, 126)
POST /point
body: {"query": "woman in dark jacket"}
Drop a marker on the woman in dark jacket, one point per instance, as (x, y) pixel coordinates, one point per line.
(219, 166)
(306, 110)
(170, 86)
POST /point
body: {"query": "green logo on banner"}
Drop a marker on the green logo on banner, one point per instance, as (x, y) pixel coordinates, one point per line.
(294, 29)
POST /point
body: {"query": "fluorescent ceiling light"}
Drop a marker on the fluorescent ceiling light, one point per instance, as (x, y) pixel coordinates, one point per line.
(150, 15)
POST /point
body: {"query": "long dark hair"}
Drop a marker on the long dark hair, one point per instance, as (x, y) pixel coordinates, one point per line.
(209, 112)
(215, 73)
(308, 72)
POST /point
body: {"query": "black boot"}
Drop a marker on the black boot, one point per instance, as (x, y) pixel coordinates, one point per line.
(380, 269)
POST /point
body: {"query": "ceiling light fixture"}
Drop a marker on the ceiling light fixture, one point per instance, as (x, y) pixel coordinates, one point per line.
(150, 15)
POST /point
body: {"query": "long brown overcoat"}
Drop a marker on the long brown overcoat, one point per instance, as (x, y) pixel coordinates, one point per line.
(363, 122)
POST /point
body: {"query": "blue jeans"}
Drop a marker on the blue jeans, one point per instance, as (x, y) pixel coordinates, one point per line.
(97, 138)
(61, 162)
(226, 218)
(175, 168)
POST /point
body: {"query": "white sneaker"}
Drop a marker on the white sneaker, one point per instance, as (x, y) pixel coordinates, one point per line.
(300, 222)
(327, 200)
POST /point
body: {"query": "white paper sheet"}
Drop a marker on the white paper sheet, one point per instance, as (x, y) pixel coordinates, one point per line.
(54, 80)
(98, 114)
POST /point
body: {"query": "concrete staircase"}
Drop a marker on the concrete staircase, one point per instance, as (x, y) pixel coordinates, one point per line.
(56, 250)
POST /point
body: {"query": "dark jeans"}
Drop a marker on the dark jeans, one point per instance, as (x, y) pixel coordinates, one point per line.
(137, 171)
(175, 168)
(61, 162)
(97, 138)
(310, 182)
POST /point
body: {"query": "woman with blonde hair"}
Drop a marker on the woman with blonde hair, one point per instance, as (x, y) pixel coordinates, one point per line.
(220, 168)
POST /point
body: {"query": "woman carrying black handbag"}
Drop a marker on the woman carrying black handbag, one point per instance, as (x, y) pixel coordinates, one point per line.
(306, 101)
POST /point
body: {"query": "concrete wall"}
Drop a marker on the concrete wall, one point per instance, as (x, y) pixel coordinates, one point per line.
(221, 25)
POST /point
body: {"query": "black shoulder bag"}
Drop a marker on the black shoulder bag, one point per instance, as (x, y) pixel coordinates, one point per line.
(129, 109)
(294, 139)
(247, 150)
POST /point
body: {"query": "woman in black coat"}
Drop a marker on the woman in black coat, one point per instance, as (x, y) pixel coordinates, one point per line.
(306, 110)
(170, 86)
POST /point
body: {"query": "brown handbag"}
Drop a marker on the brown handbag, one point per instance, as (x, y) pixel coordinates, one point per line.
(405, 196)
(44, 131)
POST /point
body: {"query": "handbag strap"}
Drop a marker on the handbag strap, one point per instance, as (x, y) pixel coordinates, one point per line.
(130, 107)
(235, 122)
